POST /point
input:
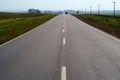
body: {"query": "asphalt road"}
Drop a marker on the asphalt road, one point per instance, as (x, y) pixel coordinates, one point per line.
(64, 48)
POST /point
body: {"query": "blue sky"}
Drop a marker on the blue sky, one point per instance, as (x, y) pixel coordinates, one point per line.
(13, 5)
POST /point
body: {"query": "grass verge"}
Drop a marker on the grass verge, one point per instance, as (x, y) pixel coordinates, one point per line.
(13, 27)
(108, 24)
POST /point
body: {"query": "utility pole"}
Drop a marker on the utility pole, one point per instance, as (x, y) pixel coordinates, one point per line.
(85, 11)
(98, 9)
(77, 12)
(114, 8)
(90, 9)
(82, 11)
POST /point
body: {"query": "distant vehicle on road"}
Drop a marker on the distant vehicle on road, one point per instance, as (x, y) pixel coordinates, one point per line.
(66, 12)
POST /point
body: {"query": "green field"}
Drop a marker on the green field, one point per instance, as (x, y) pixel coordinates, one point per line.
(13, 25)
(110, 21)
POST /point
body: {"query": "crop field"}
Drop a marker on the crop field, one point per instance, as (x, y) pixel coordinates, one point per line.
(13, 25)
(108, 24)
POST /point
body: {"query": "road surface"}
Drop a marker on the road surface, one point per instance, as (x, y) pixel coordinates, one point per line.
(64, 48)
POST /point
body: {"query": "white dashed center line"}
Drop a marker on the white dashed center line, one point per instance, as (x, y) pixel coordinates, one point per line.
(64, 41)
(63, 30)
(63, 73)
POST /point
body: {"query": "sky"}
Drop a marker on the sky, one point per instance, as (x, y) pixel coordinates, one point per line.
(20, 5)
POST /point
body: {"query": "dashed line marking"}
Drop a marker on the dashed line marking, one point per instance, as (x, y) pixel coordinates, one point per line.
(63, 73)
(63, 30)
(64, 41)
